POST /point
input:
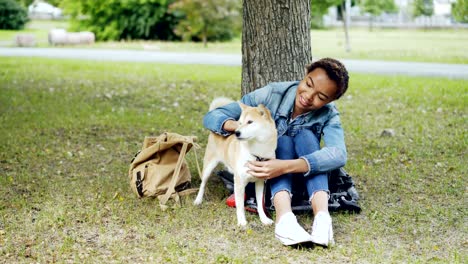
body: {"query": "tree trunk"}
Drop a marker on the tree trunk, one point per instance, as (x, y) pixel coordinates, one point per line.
(204, 36)
(205, 40)
(275, 41)
(345, 13)
(371, 23)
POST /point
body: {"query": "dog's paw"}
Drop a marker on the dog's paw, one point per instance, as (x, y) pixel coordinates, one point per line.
(267, 221)
(197, 201)
(242, 223)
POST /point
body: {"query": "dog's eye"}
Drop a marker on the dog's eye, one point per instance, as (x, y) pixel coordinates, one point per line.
(249, 122)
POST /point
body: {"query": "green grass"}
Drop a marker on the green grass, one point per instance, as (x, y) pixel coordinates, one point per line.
(443, 46)
(447, 46)
(70, 128)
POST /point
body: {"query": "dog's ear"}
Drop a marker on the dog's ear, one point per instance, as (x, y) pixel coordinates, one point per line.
(263, 109)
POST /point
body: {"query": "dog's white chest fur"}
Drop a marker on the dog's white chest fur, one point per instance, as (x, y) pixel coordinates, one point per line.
(241, 165)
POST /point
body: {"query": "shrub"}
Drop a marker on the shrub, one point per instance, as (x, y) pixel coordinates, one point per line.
(207, 20)
(117, 20)
(460, 11)
(156, 19)
(12, 15)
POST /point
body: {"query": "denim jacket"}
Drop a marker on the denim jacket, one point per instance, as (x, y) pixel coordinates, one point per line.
(279, 98)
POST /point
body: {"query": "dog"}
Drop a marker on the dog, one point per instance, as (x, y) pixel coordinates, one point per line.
(254, 139)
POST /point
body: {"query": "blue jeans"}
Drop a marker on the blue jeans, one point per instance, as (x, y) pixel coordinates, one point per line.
(292, 147)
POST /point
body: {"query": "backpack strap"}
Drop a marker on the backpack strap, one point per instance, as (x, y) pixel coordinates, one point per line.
(171, 192)
(171, 188)
(195, 146)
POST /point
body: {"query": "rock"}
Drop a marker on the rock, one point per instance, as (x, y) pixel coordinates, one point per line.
(87, 37)
(57, 37)
(388, 132)
(73, 38)
(62, 37)
(25, 40)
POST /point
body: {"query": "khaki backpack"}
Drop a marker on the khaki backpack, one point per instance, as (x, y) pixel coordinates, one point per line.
(160, 170)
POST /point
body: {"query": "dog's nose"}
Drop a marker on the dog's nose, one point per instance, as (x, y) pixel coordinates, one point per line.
(238, 133)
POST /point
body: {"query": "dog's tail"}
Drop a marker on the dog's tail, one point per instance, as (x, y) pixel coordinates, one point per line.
(220, 101)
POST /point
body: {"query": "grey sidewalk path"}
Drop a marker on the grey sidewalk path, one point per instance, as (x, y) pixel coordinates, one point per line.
(456, 71)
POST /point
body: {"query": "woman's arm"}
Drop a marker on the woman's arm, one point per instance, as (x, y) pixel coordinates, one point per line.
(221, 120)
(333, 155)
(273, 168)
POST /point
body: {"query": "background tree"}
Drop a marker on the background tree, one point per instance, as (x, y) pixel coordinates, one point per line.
(25, 3)
(344, 9)
(275, 41)
(423, 8)
(116, 20)
(376, 8)
(460, 11)
(12, 15)
(346, 15)
(318, 9)
(207, 19)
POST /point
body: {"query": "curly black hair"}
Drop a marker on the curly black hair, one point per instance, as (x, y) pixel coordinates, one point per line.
(335, 70)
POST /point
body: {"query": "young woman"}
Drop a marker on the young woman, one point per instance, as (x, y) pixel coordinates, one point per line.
(305, 115)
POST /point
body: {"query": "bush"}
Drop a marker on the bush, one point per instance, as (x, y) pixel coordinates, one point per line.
(207, 20)
(460, 11)
(117, 20)
(12, 15)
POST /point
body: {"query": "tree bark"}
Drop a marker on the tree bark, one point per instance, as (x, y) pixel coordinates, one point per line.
(276, 42)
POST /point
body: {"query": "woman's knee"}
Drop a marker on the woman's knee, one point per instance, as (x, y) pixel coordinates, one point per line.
(306, 142)
(285, 147)
(285, 141)
(306, 135)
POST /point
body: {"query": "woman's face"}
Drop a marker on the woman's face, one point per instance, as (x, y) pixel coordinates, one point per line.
(314, 91)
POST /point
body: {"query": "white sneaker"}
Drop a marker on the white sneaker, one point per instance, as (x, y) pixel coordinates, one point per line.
(322, 229)
(289, 232)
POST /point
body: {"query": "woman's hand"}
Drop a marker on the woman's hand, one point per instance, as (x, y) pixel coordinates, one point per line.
(230, 125)
(273, 168)
(267, 169)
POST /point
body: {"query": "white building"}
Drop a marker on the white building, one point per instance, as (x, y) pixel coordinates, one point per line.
(42, 10)
(442, 16)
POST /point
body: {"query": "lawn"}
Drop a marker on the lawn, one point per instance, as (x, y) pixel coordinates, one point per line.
(70, 128)
(443, 46)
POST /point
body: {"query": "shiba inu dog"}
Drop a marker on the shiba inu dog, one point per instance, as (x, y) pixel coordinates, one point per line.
(254, 139)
